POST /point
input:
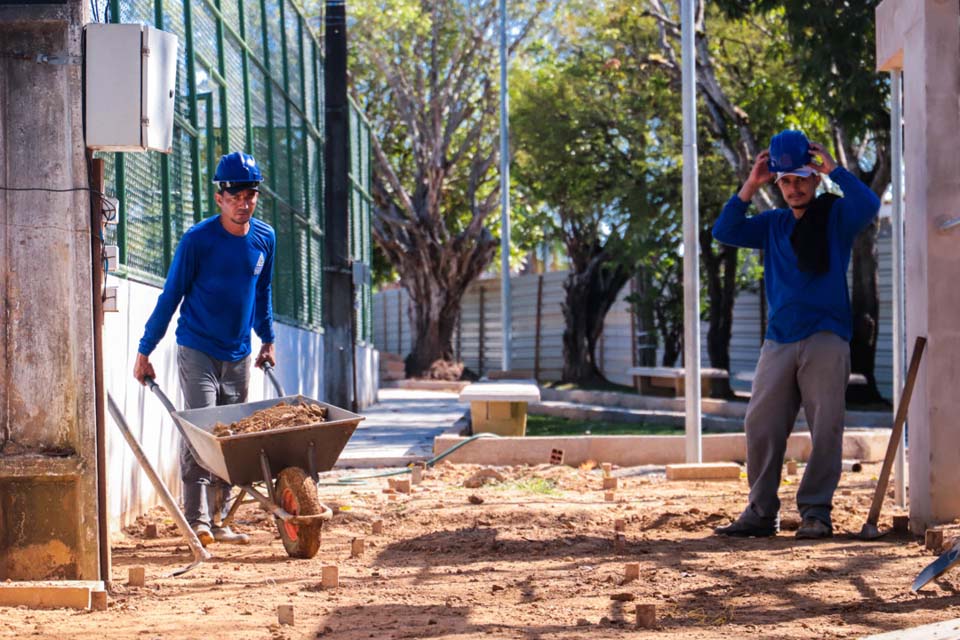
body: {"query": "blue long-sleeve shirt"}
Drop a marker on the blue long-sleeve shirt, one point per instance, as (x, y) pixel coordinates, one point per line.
(224, 282)
(801, 303)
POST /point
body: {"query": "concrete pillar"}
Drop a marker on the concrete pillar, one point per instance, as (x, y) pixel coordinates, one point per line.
(48, 490)
(922, 38)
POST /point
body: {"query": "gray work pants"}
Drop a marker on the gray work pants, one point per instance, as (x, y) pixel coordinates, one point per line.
(812, 373)
(207, 382)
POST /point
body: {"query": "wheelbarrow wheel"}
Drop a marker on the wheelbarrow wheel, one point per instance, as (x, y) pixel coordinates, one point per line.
(297, 494)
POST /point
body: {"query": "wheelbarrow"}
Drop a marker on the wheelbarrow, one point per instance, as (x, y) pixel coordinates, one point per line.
(287, 460)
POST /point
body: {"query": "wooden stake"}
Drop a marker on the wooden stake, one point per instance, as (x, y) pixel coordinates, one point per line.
(646, 616)
(330, 577)
(377, 527)
(356, 547)
(285, 614)
(631, 571)
(136, 577)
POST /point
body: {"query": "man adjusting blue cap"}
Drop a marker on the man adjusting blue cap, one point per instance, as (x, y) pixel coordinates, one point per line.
(789, 150)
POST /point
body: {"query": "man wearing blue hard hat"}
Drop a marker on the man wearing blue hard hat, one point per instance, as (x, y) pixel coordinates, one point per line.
(222, 272)
(805, 358)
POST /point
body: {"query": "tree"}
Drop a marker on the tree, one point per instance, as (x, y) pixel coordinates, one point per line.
(425, 73)
(580, 133)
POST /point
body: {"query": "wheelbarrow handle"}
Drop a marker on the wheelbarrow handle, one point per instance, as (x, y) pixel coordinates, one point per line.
(268, 369)
(153, 386)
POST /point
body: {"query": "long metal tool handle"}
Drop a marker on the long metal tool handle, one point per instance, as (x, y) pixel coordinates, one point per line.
(199, 553)
(268, 369)
(898, 423)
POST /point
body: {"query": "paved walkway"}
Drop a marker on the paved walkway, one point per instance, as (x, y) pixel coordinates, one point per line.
(400, 428)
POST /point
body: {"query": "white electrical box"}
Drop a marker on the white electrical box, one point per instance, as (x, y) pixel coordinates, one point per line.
(111, 255)
(131, 74)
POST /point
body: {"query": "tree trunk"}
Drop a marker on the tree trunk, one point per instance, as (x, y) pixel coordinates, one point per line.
(865, 305)
(720, 269)
(434, 320)
(589, 296)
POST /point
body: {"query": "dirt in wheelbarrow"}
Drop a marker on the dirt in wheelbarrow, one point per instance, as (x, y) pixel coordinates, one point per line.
(279, 416)
(537, 558)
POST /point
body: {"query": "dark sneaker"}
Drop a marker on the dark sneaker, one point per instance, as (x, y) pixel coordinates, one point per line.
(229, 536)
(740, 529)
(203, 533)
(811, 529)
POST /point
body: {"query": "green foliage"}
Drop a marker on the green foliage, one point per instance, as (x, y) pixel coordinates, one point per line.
(550, 426)
(831, 50)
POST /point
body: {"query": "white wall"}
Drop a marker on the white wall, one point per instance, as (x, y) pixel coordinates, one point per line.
(299, 369)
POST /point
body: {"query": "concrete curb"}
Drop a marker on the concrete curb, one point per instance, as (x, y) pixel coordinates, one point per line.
(868, 445)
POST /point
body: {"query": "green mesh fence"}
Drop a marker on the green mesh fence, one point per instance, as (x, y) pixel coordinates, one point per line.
(250, 78)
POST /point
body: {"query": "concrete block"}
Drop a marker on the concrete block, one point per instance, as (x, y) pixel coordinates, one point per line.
(934, 540)
(704, 471)
(791, 467)
(901, 524)
(646, 616)
(330, 577)
(285, 614)
(609, 496)
(556, 456)
(150, 531)
(631, 571)
(402, 486)
(377, 527)
(98, 600)
(619, 525)
(356, 547)
(72, 594)
(136, 577)
(609, 484)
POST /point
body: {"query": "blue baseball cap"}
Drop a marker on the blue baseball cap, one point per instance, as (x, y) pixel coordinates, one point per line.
(789, 151)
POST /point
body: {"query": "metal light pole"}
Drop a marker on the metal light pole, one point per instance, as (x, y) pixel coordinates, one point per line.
(505, 316)
(691, 244)
(899, 313)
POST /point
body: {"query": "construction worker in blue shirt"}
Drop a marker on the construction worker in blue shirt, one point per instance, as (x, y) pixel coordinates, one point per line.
(805, 358)
(221, 272)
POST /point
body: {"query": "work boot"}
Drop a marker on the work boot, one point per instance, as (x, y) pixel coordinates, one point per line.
(811, 529)
(229, 536)
(203, 533)
(741, 529)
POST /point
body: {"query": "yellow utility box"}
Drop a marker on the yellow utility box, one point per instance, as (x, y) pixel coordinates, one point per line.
(500, 406)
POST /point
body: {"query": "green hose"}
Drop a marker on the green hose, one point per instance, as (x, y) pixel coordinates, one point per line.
(357, 480)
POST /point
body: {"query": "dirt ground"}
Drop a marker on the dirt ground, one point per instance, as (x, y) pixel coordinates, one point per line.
(537, 559)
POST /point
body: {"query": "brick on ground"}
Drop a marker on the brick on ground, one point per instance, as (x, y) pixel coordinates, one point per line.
(52, 594)
(704, 471)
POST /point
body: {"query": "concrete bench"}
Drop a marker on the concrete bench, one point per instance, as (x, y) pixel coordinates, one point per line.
(500, 406)
(659, 381)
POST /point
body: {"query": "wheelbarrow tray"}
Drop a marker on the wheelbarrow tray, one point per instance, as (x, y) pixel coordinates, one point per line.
(236, 459)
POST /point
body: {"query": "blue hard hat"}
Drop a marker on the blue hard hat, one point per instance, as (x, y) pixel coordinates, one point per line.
(789, 150)
(238, 171)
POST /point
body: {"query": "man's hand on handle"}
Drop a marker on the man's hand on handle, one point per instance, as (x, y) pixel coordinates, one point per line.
(268, 355)
(142, 369)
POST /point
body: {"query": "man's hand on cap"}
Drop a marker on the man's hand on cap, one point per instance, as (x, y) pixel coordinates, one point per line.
(827, 163)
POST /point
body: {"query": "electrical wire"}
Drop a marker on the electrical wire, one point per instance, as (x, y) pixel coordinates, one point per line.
(109, 214)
